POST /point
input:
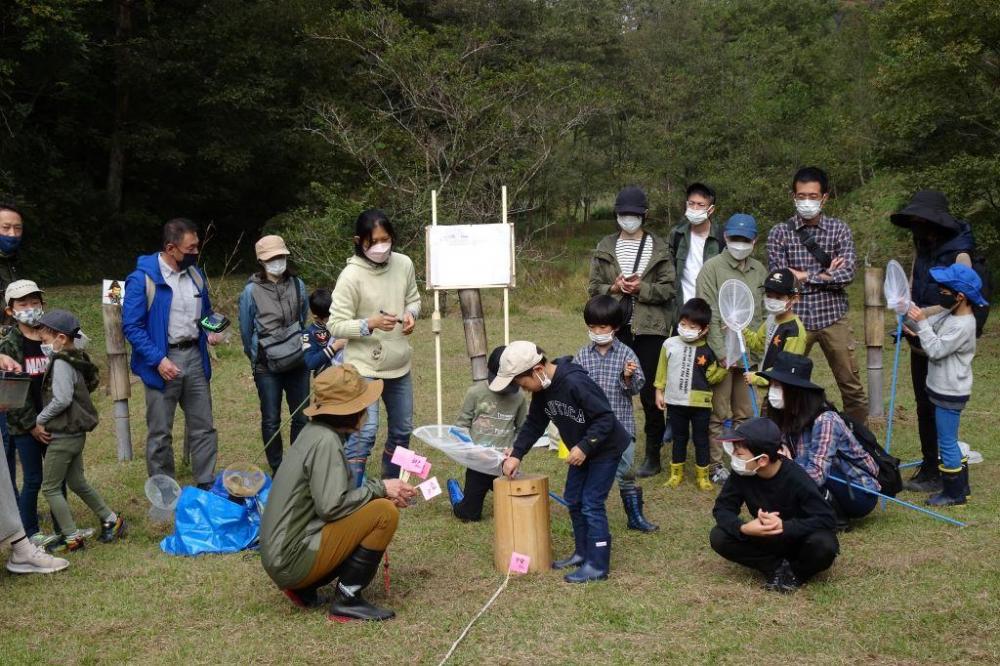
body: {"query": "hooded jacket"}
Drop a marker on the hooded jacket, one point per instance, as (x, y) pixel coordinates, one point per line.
(581, 412)
(654, 304)
(363, 289)
(924, 290)
(266, 307)
(145, 324)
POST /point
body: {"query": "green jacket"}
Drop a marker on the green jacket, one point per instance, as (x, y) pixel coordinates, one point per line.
(654, 304)
(713, 274)
(680, 242)
(81, 415)
(8, 273)
(313, 487)
(22, 420)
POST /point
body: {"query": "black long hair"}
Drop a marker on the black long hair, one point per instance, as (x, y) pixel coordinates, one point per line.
(365, 226)
(802, 407)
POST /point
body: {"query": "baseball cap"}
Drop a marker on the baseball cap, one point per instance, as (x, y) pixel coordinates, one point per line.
(60, 321)
(743, 225)
(781, 281)
(631, 200)
(20, 289)
(761, 433)
(519, 356)
(270, 247)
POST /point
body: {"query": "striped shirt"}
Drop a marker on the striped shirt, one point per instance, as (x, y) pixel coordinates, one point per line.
(625, 252)
(607, 372)
(823, 302)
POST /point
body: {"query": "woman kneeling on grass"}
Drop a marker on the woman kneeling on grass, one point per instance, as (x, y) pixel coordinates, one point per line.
(317, 526)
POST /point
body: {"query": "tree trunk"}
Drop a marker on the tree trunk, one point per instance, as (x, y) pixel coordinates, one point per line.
(475, 331)
(116, 157)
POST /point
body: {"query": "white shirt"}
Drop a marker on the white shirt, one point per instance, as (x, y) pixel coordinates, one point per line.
(692, 266)
(185, 307)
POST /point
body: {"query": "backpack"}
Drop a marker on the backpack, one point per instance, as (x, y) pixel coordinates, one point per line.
(888, 476)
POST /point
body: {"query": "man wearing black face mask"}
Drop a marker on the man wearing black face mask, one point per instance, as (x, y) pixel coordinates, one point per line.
(11, 228)
(940, 240)
(165, 297)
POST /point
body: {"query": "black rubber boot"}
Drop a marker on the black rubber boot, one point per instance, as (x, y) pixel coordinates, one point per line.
(965, 478)
(926, 480)
(632, 500)
(651, 465)
(954, 489)
(355, 574)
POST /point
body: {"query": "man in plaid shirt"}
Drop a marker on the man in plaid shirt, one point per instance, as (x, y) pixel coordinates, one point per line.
(615, 367)
(823, 306)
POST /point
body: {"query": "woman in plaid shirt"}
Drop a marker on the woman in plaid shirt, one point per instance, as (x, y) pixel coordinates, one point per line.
(818, 438)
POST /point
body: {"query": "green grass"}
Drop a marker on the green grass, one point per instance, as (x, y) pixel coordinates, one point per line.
(905, 589)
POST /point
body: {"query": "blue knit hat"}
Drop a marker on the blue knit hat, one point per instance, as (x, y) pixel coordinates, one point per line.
(962, 280)
(742, 225)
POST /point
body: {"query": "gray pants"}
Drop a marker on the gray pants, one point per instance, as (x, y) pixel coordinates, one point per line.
(64, 463)
(194, 394)
(10, 519)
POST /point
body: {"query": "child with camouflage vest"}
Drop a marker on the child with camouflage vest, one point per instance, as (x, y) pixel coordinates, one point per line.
(66, 418)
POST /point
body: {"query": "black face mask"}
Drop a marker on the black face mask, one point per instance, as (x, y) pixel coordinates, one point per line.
(949, 301)
(187, 261)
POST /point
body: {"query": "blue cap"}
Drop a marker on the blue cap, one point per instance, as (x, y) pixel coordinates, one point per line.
(743, 225)
(962, 280)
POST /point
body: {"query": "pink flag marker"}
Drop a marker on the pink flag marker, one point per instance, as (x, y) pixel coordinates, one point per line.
(519, 563)
(430, 488)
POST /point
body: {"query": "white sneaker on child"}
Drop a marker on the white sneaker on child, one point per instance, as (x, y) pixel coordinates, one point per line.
(32, 559)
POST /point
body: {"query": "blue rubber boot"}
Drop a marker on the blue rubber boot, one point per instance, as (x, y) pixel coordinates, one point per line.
(357, 469)
(579, 553)
(597, 565)
(454, 492)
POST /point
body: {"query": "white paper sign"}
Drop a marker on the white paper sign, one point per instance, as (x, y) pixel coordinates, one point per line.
(430, 488)
(470, 256)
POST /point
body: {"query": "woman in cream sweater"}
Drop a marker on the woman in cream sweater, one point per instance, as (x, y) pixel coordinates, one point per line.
(375, 306)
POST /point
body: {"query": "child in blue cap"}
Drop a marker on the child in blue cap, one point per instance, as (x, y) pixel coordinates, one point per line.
(949, 339)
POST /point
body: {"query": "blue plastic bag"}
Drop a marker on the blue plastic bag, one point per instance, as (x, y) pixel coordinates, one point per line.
(207, 522)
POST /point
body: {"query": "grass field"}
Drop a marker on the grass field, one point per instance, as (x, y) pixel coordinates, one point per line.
(905, 589)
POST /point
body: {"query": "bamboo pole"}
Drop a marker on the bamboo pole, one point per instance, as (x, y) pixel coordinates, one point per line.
(475, 331)
(118, 377)
(874, 336)
(506, 290)
(436, 322)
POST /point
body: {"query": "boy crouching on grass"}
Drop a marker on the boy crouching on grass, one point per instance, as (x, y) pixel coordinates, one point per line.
(67, 416)
(564, 393)
(790, 537)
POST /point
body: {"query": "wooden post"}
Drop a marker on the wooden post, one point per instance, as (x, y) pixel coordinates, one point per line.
(118, 377)
(874, 336)
(475, 331)
(436, 322)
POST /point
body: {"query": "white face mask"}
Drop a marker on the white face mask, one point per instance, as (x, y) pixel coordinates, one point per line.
(696, 216)
(740, 250)
(600, 338)
(544, 381)
(688, 334)
(276, 267)
(29, 317)
(379, 252)
(630, 223)
(775, 305)
(739, 465)
(808, 209)
(776, 396)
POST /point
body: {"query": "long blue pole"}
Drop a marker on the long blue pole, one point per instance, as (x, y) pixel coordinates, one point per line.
(892, 390)
(558, 499)
(899, 501)
(753, 392)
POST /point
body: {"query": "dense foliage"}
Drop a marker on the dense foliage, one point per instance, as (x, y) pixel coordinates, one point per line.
(294, 114)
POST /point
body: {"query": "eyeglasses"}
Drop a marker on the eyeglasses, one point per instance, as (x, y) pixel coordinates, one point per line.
(808, 197)
(698, 205)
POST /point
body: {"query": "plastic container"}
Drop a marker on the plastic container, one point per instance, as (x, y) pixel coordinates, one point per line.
(162, 493)
(13, 390)
(243, 480)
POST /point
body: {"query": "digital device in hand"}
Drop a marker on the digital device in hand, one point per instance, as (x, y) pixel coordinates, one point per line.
(215, 323)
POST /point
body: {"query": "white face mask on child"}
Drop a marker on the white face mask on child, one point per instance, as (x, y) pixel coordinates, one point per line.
(739, 465)
(775, 306)
(776, 396)
(688, 334)
(600, 338)
(544, 380)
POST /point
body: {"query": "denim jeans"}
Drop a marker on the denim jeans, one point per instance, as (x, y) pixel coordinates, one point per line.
(32, 454)
(294, 384)
(624, 474)
(947, 434)
(397, 394)
(587, 488)
(10, 452)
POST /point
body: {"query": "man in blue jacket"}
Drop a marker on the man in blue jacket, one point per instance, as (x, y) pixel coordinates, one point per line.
(165, 297)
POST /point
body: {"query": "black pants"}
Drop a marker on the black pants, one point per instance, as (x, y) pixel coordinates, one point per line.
(647, 348)
(926, 424)
(474, 492)
(690, 422)
(808, 556)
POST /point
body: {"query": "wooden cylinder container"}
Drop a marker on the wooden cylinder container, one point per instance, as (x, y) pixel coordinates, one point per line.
(521, 513)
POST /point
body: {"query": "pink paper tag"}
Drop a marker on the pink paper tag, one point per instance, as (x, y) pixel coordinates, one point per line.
(425, 471)
(408, 460)
(519, 563)
(430, 488)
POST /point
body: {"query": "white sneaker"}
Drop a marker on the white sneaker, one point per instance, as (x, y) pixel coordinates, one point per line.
(35, 560)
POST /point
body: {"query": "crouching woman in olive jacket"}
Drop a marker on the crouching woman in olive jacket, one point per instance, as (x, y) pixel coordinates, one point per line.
(317, 526)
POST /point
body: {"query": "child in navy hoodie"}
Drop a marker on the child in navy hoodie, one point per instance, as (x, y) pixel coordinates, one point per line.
(565, 394)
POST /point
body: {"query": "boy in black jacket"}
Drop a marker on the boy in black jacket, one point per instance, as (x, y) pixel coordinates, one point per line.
(565, 394)
(791, 536)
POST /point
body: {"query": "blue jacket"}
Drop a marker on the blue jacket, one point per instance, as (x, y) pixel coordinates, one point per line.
(319, 354)
(925, 291)
(579, 409)
(248, 316)
(146, 327)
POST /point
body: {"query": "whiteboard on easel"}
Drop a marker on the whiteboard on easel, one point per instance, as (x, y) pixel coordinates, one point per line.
(470, 256)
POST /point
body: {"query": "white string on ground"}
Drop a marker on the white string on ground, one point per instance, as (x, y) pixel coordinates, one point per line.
(473, 620)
